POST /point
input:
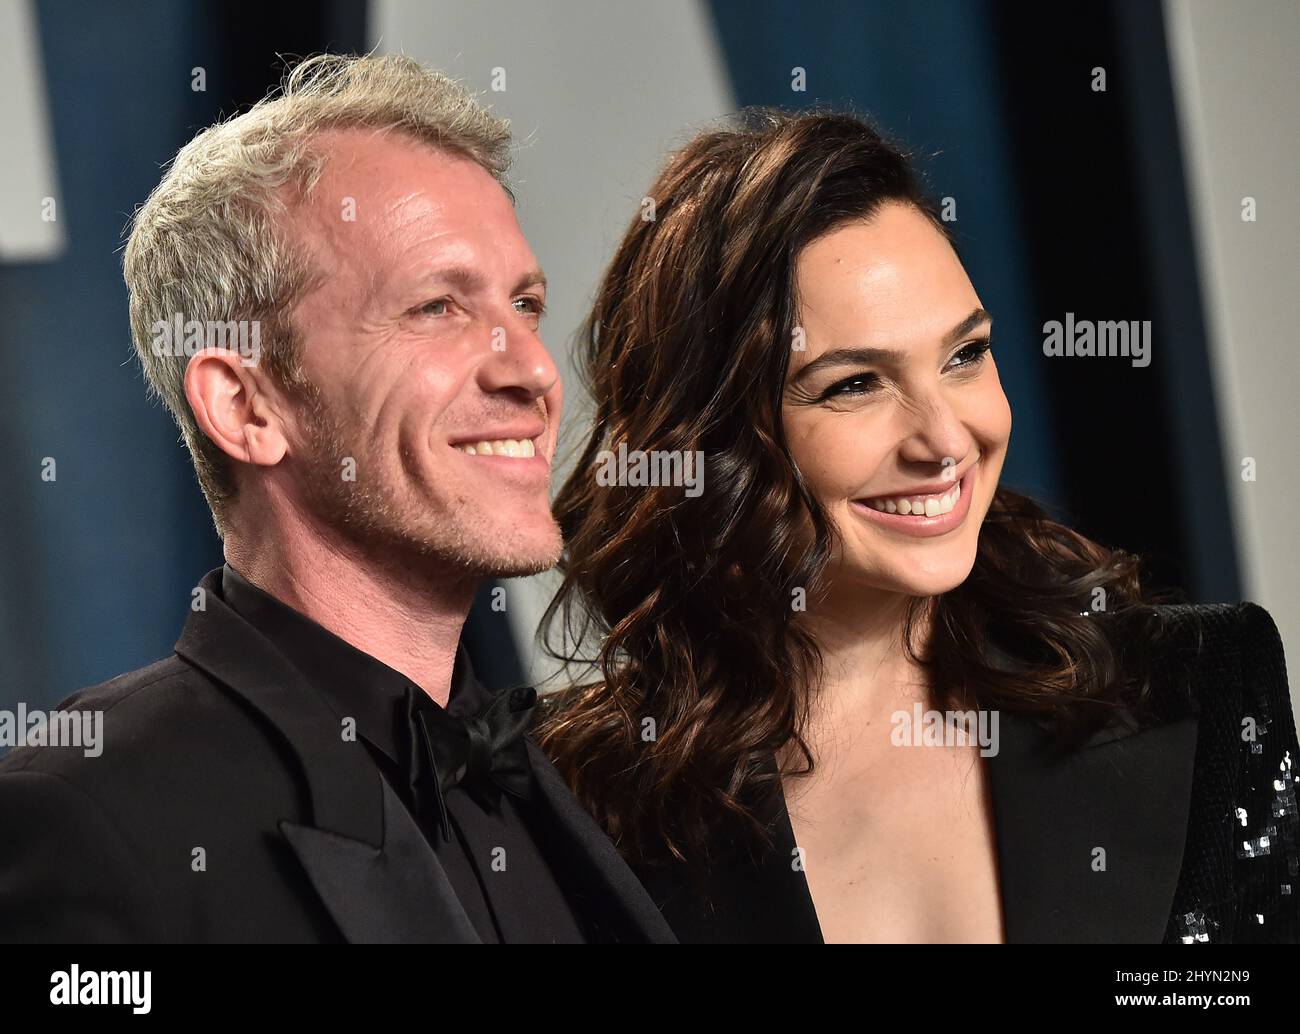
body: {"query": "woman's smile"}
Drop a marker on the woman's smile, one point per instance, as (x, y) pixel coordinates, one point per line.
(921, 513)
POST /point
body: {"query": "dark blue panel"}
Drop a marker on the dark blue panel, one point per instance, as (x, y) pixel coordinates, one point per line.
(124, 520)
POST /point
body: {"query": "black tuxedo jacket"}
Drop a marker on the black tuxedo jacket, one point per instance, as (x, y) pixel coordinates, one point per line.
(217, 813)
(1194, 807)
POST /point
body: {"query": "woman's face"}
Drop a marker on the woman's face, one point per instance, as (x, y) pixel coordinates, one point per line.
(893, 408)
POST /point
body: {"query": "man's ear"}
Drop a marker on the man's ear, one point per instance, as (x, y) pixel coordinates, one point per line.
(232, 407)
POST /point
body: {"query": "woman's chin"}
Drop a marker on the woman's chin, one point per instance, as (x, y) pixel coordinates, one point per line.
(932, 579)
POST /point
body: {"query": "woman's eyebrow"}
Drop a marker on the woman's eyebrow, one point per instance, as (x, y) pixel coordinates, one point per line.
(976, 317)
(856, 356)
(847, 357)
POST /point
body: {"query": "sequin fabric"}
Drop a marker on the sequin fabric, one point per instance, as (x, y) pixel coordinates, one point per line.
(1240, 880)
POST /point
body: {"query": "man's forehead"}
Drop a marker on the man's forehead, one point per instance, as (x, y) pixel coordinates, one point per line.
(366, 174)
(361, 150)
(387, 196)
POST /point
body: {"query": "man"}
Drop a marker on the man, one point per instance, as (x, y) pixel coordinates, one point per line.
(373, 430)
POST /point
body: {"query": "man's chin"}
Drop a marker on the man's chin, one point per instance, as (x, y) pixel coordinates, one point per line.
(475, 543)
(520, 568)
(509, 556)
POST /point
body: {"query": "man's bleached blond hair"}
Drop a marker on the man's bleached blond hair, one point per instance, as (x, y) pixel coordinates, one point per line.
(210, 242)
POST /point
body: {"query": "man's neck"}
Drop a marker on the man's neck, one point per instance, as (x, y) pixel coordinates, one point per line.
(408, 615)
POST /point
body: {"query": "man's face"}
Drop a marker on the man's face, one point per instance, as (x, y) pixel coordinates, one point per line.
(420, 345)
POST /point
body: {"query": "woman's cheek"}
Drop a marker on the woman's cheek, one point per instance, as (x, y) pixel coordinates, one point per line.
(833, 451)
(997, 407)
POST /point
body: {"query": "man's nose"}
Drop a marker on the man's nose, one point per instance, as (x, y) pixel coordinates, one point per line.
(518, 361)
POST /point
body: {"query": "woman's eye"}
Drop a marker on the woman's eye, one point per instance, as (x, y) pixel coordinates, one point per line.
(858, 384)
(970, 355)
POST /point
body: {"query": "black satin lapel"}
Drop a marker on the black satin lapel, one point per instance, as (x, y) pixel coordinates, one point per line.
(617, 887)
(396, 894)
(1128, 795)
(340, 775)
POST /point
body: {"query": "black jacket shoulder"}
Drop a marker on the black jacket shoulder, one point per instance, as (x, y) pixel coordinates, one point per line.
(1239, 879)
(140, 840)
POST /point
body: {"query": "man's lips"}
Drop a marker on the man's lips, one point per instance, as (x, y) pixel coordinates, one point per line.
(514, 442)
(507, 432)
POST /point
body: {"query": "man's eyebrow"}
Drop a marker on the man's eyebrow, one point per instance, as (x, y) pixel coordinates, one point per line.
(863, 356)
(533, 278)
(458, 276)
(469, 280)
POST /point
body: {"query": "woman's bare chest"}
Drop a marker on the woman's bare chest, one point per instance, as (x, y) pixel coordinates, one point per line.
(902, 850)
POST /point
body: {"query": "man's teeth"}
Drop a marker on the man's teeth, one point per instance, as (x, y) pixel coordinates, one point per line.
(921, 506)
(501, 447)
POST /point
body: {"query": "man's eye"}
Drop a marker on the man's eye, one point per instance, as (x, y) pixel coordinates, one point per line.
(535, 306)
(858, 384)
(437, 307)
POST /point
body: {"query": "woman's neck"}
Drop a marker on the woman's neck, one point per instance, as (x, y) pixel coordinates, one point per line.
(867, 673)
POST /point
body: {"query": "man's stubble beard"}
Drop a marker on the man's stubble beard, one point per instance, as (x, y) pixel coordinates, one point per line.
(368, 514)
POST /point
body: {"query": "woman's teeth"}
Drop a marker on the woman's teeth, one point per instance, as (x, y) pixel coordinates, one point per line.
(501, 447)
(918, 506)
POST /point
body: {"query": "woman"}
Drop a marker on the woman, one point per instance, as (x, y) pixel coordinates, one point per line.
(848, 688)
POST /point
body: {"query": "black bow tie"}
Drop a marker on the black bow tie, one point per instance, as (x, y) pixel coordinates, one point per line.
(483, 751)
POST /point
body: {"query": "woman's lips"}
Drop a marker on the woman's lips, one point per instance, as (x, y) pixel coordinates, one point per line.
(922, 526)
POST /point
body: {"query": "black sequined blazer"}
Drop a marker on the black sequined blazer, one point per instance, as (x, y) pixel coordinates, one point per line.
(1194, 808)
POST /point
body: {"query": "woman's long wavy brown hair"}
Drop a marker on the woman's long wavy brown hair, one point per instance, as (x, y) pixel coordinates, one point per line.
(703, 673)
